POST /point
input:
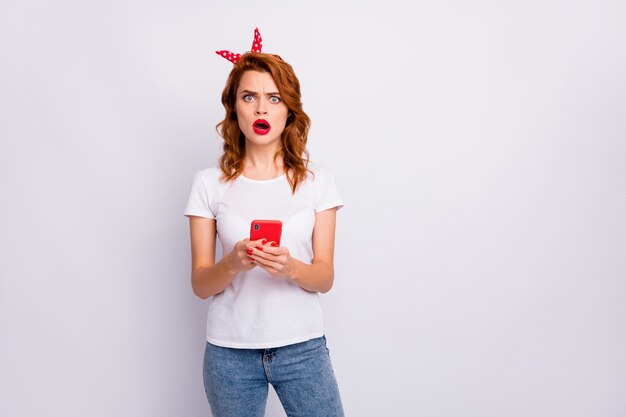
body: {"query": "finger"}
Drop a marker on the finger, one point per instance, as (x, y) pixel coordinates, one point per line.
(250, 244)
(246, 263)
(242, 244)
(259, 243)
(260, 253)
(266, 263)
(276, 251)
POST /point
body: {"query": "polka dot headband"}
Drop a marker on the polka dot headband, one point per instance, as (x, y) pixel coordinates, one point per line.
(233, 57)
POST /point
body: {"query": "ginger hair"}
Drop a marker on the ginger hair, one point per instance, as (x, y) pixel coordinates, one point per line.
(293, 139)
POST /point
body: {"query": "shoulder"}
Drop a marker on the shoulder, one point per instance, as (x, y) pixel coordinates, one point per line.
(211, 173)
(208, 181)
(205, 188)
(208, 176)
(325, 191)
(318, 173)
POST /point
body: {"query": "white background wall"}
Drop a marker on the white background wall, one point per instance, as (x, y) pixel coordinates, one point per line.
(479, 147)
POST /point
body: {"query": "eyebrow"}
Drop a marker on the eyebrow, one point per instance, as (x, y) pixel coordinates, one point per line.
(254, 93)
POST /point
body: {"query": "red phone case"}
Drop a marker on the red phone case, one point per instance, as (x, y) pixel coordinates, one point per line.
(266, 229)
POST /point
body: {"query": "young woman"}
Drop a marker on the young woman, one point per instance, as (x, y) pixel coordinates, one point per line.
(264, 322)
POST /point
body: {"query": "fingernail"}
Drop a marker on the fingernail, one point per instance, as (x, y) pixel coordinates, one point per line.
(259, 247)
(264, 241)
(274, 244)
(250, 250)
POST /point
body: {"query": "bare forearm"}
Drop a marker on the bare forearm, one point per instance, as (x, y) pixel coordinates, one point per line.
(211, 280)
(313, 277)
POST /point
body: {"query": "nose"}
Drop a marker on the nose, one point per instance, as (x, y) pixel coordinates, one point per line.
(260, 108)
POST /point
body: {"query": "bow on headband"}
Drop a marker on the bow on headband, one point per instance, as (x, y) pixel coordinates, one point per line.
(233, 57)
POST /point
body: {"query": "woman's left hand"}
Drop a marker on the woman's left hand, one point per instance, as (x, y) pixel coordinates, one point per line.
(274, 259)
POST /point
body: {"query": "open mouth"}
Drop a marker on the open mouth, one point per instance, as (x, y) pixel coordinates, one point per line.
(261, 127)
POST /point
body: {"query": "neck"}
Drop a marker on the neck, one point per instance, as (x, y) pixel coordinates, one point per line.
(261, 162)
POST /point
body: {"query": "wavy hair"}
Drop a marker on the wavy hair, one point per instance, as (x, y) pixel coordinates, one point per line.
(293, 138)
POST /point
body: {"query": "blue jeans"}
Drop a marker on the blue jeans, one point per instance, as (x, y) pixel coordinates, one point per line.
(236, 380)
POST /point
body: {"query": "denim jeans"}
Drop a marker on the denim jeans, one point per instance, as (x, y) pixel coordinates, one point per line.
(236, 380)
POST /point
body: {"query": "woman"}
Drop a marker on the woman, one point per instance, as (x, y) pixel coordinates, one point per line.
(264, 322)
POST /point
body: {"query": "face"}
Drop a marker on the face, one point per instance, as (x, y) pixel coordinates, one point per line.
(261, 113)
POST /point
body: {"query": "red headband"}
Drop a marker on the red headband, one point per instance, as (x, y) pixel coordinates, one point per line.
(233, 57)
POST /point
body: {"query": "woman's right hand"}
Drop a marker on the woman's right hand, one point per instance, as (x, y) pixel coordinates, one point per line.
(238, 258)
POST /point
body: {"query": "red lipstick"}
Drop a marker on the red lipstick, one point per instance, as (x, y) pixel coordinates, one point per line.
(261, 127)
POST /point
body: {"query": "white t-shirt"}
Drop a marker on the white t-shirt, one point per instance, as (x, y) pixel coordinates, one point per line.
(258, 310)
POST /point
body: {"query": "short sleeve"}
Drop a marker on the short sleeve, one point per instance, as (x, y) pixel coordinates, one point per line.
(327, 195)
(199, 202)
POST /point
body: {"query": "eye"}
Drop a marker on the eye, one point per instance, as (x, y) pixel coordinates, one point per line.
(248, 98)
(274, 99)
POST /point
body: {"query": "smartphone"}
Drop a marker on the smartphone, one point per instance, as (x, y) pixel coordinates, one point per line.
(266, 229)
